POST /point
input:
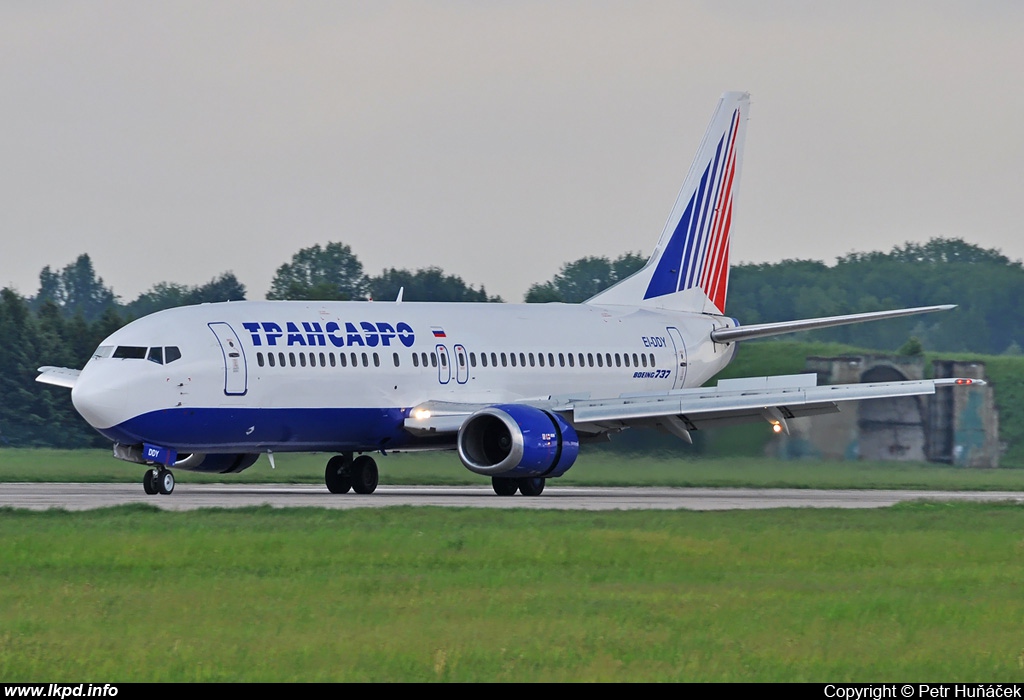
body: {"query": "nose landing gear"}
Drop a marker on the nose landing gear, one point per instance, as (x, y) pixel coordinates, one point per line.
(158, 480)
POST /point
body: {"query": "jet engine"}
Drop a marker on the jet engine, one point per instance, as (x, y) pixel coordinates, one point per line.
(215, 464)
(511, 440)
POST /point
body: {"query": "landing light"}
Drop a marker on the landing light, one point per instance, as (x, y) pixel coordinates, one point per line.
(776, 428)
(421, 414)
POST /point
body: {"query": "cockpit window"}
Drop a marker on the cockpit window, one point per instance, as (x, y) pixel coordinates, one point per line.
(160, 356)
(129, 352)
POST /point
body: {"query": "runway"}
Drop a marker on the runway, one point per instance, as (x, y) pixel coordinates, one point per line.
(70, 496)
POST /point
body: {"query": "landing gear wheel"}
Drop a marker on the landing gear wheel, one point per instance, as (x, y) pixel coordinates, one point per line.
(149, 482)
(364, 475)
(338, 475)
(165, 482)
(504, 487)
(531, 486)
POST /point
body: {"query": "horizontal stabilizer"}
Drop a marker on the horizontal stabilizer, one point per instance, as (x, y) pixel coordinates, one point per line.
(765, 330)
(59, 376)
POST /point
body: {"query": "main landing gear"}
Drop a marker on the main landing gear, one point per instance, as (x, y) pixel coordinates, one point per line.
(528, 486)
(344, 474)
(158, 480)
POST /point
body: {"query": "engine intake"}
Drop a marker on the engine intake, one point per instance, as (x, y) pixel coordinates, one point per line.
(511, 440)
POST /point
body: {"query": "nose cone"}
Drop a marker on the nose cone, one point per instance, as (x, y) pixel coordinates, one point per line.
(100, 400)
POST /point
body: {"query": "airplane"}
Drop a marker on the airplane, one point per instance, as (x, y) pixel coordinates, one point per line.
(515, 389)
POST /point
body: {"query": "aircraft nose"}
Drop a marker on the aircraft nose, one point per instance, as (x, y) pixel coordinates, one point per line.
(101, 403)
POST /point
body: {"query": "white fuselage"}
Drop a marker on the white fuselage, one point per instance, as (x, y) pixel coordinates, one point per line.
(292, 376)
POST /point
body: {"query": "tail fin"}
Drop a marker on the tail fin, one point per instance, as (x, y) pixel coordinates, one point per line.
(689, 269)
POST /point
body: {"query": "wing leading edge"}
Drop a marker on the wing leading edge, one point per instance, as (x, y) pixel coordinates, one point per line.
(772, 399)
(59, 376)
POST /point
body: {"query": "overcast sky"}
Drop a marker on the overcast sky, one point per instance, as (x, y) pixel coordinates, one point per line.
(173, 141)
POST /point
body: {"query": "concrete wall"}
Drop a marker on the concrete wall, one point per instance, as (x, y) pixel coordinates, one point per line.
(956, 426)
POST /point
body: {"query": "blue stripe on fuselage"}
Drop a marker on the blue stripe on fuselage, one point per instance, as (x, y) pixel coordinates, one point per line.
(228, 429)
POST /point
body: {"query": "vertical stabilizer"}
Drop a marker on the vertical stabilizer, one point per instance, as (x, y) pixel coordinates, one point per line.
(689, 269)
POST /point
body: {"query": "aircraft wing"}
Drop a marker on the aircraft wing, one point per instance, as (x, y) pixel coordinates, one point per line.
(732, 401)
(58, 376)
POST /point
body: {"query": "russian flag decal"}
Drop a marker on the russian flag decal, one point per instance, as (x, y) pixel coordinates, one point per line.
(438, 332)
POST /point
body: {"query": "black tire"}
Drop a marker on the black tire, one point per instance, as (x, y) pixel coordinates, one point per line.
(504, 487)
(531, 486)
(165, 482)
(364, 475)
(337, 476)
(149, 482)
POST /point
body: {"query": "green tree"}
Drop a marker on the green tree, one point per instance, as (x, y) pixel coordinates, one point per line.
(581, 279)
(75, 290)
(425, 284)
(331, 272)
(168, 295)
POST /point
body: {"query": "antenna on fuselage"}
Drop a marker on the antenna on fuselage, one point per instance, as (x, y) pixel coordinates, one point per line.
(401, 291)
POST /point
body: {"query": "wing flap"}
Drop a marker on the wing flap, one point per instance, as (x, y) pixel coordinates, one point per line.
(59, 376)
(734, 401)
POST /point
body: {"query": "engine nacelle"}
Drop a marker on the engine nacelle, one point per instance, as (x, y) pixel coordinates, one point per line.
(215, 464)
(511, 440)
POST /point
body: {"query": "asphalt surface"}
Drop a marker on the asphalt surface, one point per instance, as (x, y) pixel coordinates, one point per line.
(67, 496)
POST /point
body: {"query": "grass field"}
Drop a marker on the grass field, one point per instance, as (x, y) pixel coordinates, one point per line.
(420, 594)
(593, 468)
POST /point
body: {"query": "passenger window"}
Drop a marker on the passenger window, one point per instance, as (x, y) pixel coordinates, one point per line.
(540, 358)
(415, 360)
(157, 355)
(395, 356)
(433, 359)
(590, 359)
(259, 358)
(355, 360)
(302, 359)
(291, 359)
(636, 360)
(376, 360)
(504, 360)
(332, 359)
(551, 359)
(494, 360)
(561, 360)
(280, 357)
(512, 358)
(270, 358)
(483, 358)
(342, 359)
(643, 359)
(600, 363)
(366, 360)
(323, 360)
(572, 362)
(618, 360)
(472, 359)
